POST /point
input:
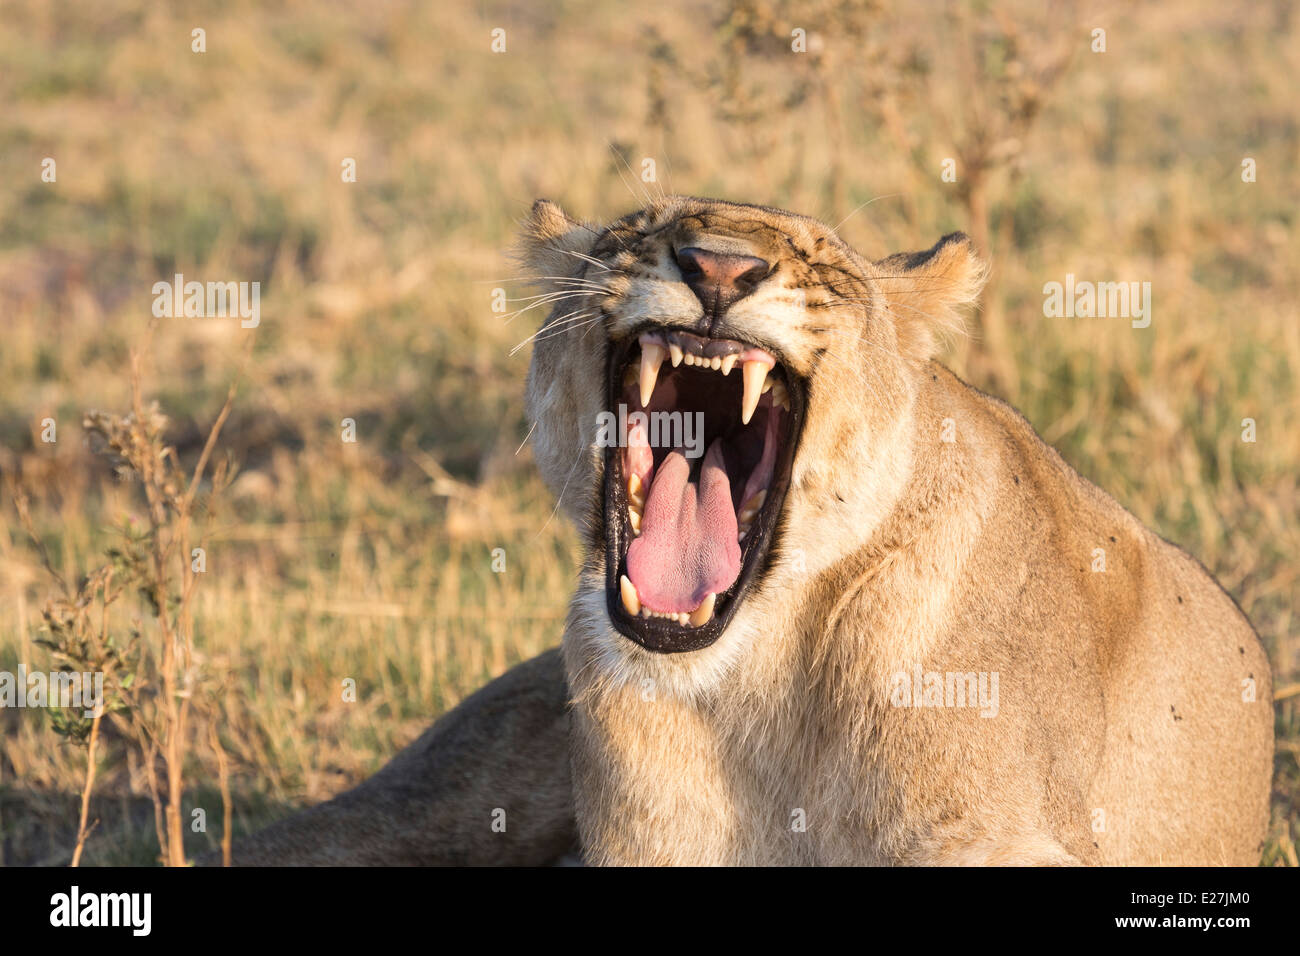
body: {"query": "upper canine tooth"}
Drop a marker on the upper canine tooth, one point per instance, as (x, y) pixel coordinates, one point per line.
(652, 356)
(701, 614)
(728, 364)
(675, 353)
(755, 373)
(631, 602)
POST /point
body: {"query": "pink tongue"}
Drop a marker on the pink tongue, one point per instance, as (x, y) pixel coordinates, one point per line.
(687, 548)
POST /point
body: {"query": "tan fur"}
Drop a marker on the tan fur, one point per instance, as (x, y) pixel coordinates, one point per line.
(927, 527)
(501, 757)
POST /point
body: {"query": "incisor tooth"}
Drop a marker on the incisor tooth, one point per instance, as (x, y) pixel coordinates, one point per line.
(675, 354)
(780, 396)
(728, 364)
(631, 603)
(701, 614)
(755, 373)
(715, 363)
(652, 356)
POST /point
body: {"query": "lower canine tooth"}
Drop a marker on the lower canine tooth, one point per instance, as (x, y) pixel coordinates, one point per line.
(631, 603)
(701, 615)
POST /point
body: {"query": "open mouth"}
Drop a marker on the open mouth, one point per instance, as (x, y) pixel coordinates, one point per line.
(693, 490)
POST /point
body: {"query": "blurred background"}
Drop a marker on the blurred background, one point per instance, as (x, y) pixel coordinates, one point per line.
(373, 561)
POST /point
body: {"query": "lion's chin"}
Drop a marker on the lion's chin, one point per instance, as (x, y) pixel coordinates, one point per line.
(697, 466)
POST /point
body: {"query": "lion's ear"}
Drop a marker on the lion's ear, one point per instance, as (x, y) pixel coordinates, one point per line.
(551, 244)
(926, 291)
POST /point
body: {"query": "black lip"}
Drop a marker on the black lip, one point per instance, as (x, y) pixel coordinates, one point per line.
(657, 634)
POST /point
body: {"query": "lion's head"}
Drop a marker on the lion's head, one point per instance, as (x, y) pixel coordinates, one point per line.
(722, 401)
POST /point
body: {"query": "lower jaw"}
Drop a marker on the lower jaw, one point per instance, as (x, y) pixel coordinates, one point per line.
(667, 637)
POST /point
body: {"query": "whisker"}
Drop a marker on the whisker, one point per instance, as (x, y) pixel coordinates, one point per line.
(566, 324)
(559, 498)
(526, 437)
(537, 278)
(551, 333)
(644, 199)
(571, 280)
(575, 290)
(836, 227)
(551, 300)
(592, 259)
(668, 160)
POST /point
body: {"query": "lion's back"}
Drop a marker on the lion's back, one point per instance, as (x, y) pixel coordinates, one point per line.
(1186, 721)
(1189, 729)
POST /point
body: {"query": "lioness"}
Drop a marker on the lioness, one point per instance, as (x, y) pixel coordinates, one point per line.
(861, 614)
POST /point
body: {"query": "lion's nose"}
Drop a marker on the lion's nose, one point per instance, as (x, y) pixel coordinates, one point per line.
(719, 279)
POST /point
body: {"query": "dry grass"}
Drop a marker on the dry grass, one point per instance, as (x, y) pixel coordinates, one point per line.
(372, 560)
